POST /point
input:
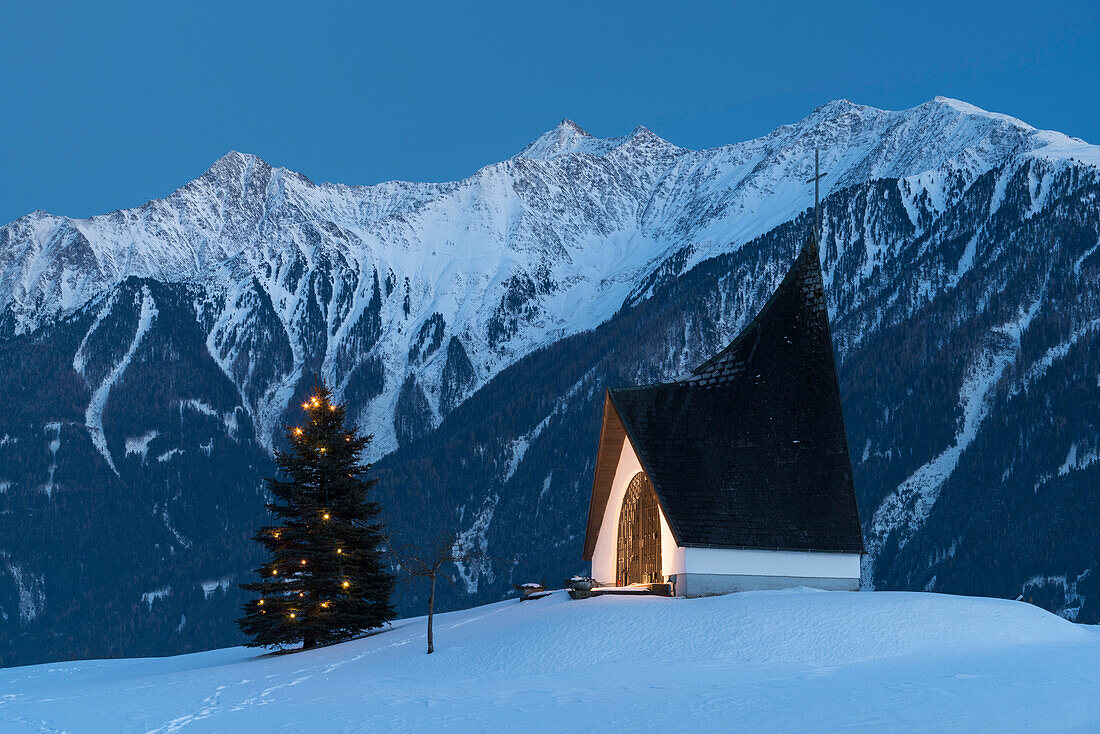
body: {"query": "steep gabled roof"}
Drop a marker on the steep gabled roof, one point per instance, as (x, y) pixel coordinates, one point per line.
(748, 451)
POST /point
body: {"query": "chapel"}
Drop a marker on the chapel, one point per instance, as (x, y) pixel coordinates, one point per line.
(736, 477)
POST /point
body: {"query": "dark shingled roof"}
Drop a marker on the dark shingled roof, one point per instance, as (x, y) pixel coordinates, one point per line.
(749, 451)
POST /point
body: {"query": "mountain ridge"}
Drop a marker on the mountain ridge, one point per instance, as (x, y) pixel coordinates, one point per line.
(828, 108)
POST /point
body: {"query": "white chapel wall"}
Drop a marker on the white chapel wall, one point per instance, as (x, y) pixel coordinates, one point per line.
(606, 550)
(604, 556)
(672, 555)
(750, 562)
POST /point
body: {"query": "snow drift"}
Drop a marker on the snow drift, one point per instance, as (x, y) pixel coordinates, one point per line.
(761, 661)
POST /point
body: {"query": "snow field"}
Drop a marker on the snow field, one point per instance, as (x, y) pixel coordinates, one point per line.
(792, 661)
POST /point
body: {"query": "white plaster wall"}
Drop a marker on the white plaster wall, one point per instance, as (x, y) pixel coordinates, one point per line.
(770, 563)
(672, 555)
(606, 550)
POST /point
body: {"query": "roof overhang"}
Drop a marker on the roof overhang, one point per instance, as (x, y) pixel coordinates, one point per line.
(612, 434)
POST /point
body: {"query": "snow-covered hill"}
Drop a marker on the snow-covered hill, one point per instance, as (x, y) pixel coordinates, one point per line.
(797, 661)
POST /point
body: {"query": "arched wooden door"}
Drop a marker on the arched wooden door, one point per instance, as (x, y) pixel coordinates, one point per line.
(639, 544)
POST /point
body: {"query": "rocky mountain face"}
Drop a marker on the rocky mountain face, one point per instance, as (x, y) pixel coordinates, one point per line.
(150, 357)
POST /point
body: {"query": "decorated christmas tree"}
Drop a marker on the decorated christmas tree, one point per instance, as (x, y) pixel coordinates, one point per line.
(325, 580)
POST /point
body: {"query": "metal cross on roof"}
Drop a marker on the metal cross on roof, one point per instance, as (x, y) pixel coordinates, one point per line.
(818, 175)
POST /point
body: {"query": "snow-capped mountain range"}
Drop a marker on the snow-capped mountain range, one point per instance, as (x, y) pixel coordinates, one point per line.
(548, 243)
(177, 336)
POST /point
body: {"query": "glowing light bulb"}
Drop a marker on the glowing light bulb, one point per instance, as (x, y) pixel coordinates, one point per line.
(292, 615)
(346, 584)
(297, 431)
(325, 516)
(303, 561)
(305, 406)
(260, 602)
(301, 593)
(339, 550)
(274, 572)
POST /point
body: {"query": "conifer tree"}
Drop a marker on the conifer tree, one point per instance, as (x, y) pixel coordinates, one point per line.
(325, 580)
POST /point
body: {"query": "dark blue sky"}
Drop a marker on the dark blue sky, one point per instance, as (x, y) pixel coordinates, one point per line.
(104, 106)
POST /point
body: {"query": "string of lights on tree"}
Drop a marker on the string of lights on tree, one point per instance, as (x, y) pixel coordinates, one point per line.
(325, 579)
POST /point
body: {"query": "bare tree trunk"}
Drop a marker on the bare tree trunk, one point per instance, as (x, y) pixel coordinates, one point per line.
(431, 606)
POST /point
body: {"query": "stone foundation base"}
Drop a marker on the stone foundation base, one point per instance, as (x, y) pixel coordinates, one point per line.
(712, 584)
